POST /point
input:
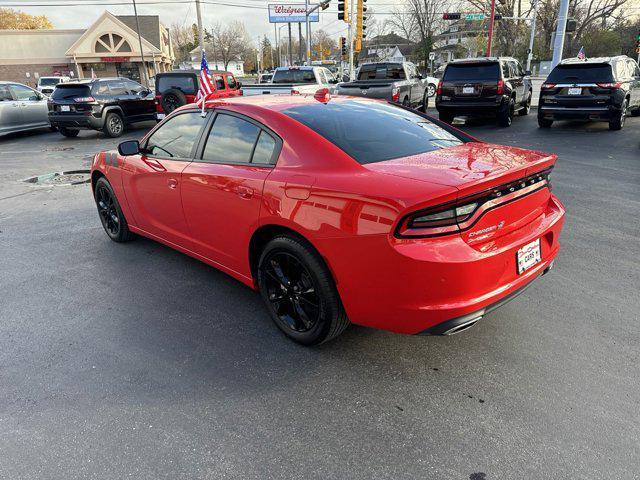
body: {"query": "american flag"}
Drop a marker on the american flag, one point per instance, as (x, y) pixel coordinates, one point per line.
(206, 87)
(581, 54)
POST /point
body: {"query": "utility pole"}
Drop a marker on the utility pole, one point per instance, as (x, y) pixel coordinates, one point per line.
(144, 66)
(533, 35)
(300, 59)
(290, 52)
(275, 39)
(558, 44)
(491, 25)
(352, 72)
(200, 32)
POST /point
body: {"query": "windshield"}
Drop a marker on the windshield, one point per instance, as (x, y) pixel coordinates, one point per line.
(67, 91)
(294, 76)
(49, 82)
(381, 71)
(373, 132)
(472, 71)
(583, 73)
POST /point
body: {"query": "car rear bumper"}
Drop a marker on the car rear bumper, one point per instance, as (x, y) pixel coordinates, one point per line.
(578, 113)
(76, 121)
(432, 285)
(480, 107)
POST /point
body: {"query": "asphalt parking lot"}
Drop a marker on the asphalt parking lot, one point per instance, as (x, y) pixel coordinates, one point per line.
(135, 361)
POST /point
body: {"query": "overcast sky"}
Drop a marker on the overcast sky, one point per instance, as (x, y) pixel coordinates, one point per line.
(255, 19)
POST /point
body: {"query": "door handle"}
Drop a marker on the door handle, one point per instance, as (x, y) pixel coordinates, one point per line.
(172, 183)
(245, 192)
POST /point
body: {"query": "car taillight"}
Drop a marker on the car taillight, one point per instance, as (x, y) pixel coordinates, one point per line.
(84, 99)
(443, 218)
(295, 92)
(500, 87)
(611, 85)
(395, 94)
(548, 86)
(439, 89)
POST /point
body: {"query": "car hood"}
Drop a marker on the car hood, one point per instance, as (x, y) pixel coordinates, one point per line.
(467, 166)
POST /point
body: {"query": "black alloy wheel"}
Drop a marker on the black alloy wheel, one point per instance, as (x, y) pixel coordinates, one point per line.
(505, 115)
(618, 122)
(113, 125)
(299, 292)
(431, 90)
(171, 102)
(526, 107)
(111, 216)
(70, 133)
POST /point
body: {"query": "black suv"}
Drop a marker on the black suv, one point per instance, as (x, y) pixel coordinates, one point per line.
(603, 89)
(107, 104)
(491, 87)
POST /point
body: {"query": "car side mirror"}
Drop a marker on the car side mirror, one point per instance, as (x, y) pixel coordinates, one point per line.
(130, 147)
(239, 85)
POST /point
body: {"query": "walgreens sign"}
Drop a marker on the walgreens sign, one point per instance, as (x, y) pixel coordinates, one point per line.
(290, 12)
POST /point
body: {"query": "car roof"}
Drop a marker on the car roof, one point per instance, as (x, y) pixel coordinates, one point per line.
(480, 60)
(573, 61)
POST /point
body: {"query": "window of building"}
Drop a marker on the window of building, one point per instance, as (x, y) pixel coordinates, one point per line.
(111, 43)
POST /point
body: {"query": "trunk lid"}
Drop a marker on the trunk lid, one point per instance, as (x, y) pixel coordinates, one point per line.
(471, 81)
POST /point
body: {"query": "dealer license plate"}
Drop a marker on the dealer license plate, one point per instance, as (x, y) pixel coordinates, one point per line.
(468, 90)
(65, 108)
(159, 116)
(528, 256)
(575, 91)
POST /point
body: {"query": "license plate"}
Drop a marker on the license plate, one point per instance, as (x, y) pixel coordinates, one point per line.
(159, 116)
(468, 90)
(575, 91)
(528, 256)
(65, 108)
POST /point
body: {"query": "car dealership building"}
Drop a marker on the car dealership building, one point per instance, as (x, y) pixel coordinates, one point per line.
(108, 48)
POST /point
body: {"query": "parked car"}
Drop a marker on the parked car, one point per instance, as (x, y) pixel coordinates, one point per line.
(293, 80)
(492, 87)
(175, 89)
(21, 108)
(47, 84)
(339, 210)
(394, 82)
(265, 77)
(602, 89)
(107, 104)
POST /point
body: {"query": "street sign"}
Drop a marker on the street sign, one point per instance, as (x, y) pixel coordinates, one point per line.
(432, 55)
(291, 13)
(475, 16)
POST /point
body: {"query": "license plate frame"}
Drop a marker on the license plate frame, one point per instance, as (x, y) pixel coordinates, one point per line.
(468, 90)
(528, 256)
(65, 108)
(160, 116)
(574, 91)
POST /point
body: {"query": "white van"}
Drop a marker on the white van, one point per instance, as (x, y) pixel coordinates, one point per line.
(47, 84)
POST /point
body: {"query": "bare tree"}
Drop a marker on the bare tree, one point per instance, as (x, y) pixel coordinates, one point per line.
(229, 41)
(322, 44)
(182, 40)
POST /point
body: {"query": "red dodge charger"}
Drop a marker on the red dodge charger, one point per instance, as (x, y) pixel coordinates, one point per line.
(339, 210)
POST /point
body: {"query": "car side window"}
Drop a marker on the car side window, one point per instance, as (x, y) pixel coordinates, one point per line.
(633, 68)
(264, 149)
(519, 69)
(231, 81)
(231, 140)
(176, 137)
(505, 70)
(118, 87)
(5, 94)
(23, 93)
(219, 83)
(102, 88)
(133, 87)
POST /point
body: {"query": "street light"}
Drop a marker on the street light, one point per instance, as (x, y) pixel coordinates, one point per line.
(279, 41)
(322, 5)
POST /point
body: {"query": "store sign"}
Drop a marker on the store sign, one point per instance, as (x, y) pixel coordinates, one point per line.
(114, 59)
(291, 13)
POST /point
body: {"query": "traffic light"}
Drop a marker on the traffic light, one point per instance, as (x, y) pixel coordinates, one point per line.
(451, 16)
(360, 27)
(343, 46)
(343, 10)
(571, 25)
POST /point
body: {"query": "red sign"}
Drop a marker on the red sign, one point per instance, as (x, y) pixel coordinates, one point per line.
(114, 59)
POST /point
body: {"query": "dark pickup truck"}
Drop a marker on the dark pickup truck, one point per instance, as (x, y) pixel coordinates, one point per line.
(395, 82)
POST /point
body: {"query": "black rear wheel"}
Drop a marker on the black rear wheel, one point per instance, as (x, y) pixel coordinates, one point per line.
(68, 132)
(505, 114)
(617, 122)
(544, 122)
(445, 117)
(111, 216)
(299, 292)
(113, 125)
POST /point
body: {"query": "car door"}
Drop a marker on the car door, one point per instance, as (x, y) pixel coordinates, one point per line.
(221, 87)
(142, 102)
(515, 80)
(10, 116)
(222, 189)
(634, 73)
(120, 94)
(152, 179)
(33, 106)
(232, 85)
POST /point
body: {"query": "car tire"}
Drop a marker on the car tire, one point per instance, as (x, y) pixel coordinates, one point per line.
(113, 125)
(431, 90)
(618, 122)
(526, 106)
(113, 221)
(308, 309)
(68, 132)
(445, 117)
(635, 112)
(505, 114)
(406, 102)
(425, 103)
(544, 122)
(172, 99)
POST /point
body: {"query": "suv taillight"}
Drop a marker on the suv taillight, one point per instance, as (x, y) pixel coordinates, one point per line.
(500, 87)
(611, 86)
(439, 89)
(395, 94)
(548, 86)
(84, 99)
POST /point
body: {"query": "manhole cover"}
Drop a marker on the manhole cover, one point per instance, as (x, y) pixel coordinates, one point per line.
(70, 177)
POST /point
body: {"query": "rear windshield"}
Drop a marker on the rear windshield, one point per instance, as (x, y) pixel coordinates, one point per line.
(67, 92)
(184, 83)
(582, 73)
(472, 71)
(373, 132)
(294, 76)
(48, 82)
(381, 71)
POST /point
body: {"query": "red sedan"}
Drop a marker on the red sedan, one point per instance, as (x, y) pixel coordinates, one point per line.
(339, 210)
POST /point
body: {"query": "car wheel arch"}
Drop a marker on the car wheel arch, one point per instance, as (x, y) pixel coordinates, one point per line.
(264, 234)
(115, 109)
(95, 176)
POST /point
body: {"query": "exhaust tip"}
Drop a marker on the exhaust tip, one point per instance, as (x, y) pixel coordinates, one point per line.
(463, 326)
